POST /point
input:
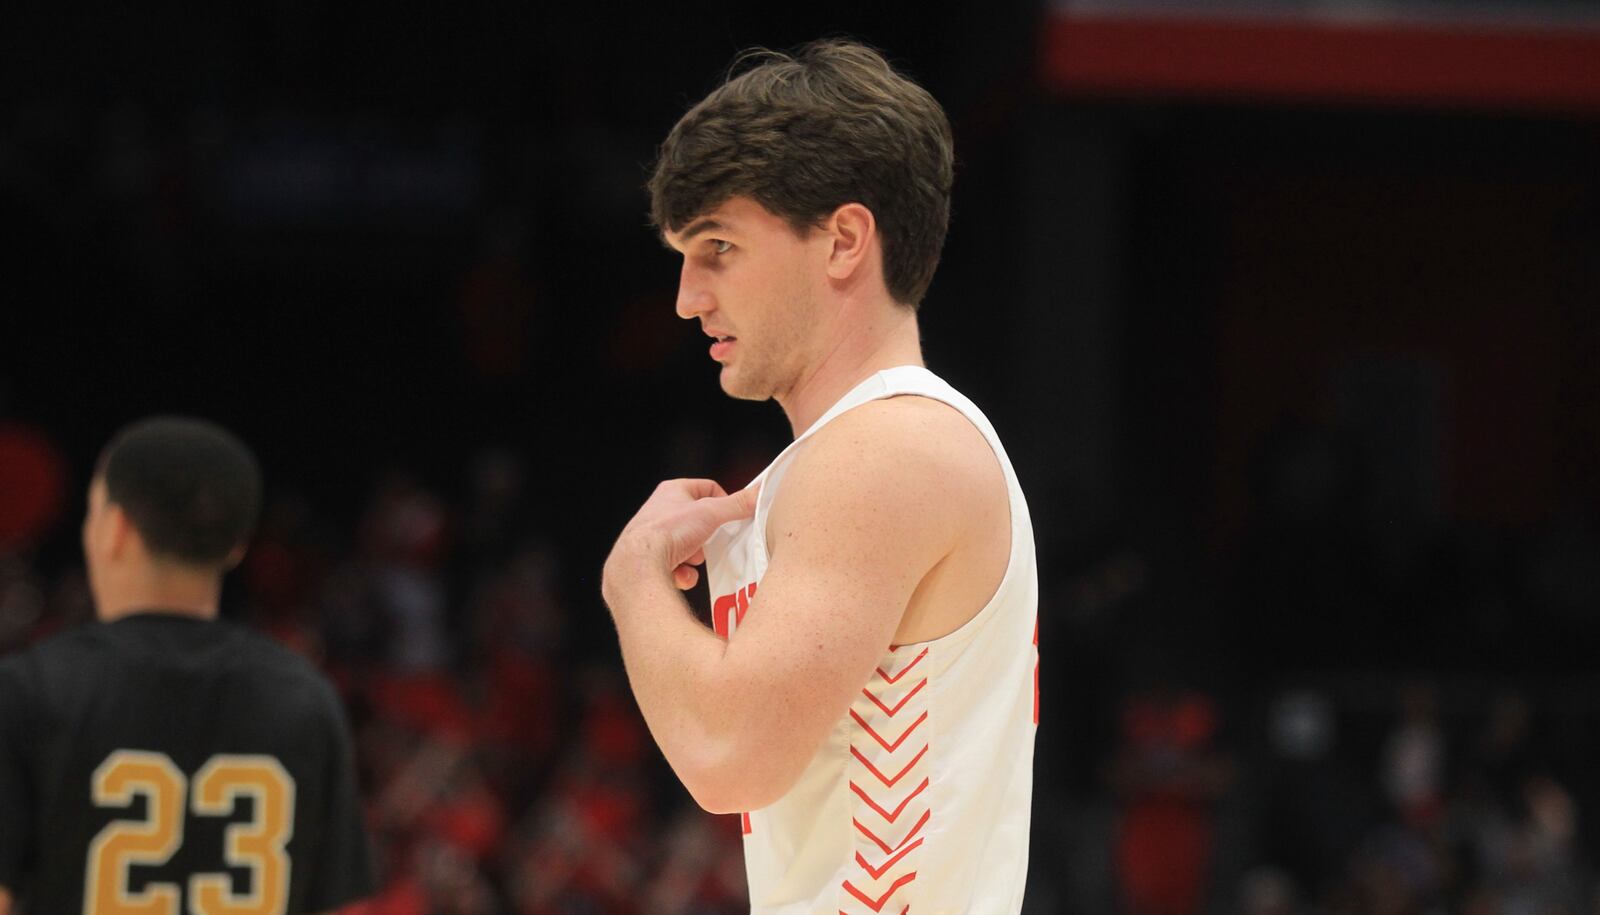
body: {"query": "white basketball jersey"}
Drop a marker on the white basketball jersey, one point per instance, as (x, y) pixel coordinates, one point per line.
(919, 799)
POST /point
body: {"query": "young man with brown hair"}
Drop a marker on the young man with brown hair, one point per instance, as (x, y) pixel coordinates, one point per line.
(867, 695)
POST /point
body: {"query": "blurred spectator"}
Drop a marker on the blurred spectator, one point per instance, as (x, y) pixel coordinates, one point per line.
(497, 512)
(404, 539)
(1413, 766)
(1533, 865)
(586, 849)
(1266, 891)
(455, 885)
(702, 871)
(282, 571)
(518, 639)
(1167, 773)
(1396, 872)
(1315, 809)
(1505, 756)
(33, 483)
(21, 603)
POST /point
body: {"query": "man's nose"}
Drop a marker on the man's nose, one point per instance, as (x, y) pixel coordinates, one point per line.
(693, 298)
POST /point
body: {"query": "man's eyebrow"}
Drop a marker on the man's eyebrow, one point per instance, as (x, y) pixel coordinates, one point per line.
(706, 224)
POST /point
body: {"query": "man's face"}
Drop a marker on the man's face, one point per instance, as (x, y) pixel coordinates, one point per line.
(754, 284)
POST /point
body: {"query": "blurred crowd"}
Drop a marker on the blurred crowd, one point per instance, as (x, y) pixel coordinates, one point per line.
(1455, 802)
(505, 768)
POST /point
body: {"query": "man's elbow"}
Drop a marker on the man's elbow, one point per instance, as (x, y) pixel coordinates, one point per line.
(726, 780)
(714, 798)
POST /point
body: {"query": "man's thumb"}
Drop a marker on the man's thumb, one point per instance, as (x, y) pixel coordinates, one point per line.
(735, 507)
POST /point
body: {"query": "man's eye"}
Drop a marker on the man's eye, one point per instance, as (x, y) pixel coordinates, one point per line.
(720, 246)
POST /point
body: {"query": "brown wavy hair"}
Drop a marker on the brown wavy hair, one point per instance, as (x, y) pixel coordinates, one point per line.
(807, 132)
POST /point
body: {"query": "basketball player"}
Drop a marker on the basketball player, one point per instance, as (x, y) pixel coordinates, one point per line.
(867, 694)
(160, 761)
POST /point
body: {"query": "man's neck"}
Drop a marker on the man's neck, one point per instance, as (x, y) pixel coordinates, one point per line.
(110, 613)
(164, 591)
(858, 354)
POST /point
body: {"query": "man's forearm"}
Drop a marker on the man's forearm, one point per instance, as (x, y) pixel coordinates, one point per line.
(673, 663)
(676, 666)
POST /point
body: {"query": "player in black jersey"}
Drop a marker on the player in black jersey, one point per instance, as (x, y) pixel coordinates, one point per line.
(160, 761)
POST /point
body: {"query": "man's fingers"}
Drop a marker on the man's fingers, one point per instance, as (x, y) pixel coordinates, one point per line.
(689, 511)
(723, 509)
(700, 489)
(699, 520)
(685, 577)
(747, 500)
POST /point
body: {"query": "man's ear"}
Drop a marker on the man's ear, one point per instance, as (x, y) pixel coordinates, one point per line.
(855, 235)
(123, 535)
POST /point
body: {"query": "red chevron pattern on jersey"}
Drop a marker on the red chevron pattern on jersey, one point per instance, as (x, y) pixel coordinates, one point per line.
(890, 744)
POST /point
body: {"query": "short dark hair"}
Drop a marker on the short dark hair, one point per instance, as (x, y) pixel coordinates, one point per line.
(805, 133)
(190, 487)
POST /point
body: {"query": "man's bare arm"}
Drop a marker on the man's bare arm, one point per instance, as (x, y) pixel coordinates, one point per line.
(867, 509)
(5, 901)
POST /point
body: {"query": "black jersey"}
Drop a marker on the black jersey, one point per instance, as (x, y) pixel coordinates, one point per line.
(168, 764)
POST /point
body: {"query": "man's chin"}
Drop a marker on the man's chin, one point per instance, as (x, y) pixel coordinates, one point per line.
(739, 388)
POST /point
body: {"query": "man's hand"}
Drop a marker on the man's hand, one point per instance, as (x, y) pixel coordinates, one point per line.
(669, 532)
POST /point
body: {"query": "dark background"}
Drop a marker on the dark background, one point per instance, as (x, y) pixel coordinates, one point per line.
(1304, 394)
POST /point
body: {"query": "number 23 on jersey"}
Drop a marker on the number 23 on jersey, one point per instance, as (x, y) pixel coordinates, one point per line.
(257, 845)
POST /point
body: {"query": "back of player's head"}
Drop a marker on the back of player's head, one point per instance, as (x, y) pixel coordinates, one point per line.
(191, 488)
(805, 133)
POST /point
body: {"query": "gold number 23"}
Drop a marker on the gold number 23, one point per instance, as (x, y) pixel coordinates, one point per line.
(257, 844)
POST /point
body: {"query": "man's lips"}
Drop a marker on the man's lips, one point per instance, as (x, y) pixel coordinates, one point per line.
(721, 347)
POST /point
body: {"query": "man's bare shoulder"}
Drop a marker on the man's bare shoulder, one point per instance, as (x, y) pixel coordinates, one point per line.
(913, 434)
(908, 454)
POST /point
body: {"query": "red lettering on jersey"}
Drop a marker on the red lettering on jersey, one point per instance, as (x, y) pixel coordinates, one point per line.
(735, 605)
(720, 609)
(746, 595)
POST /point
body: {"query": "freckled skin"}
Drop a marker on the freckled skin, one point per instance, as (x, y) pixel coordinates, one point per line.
(967, 475)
